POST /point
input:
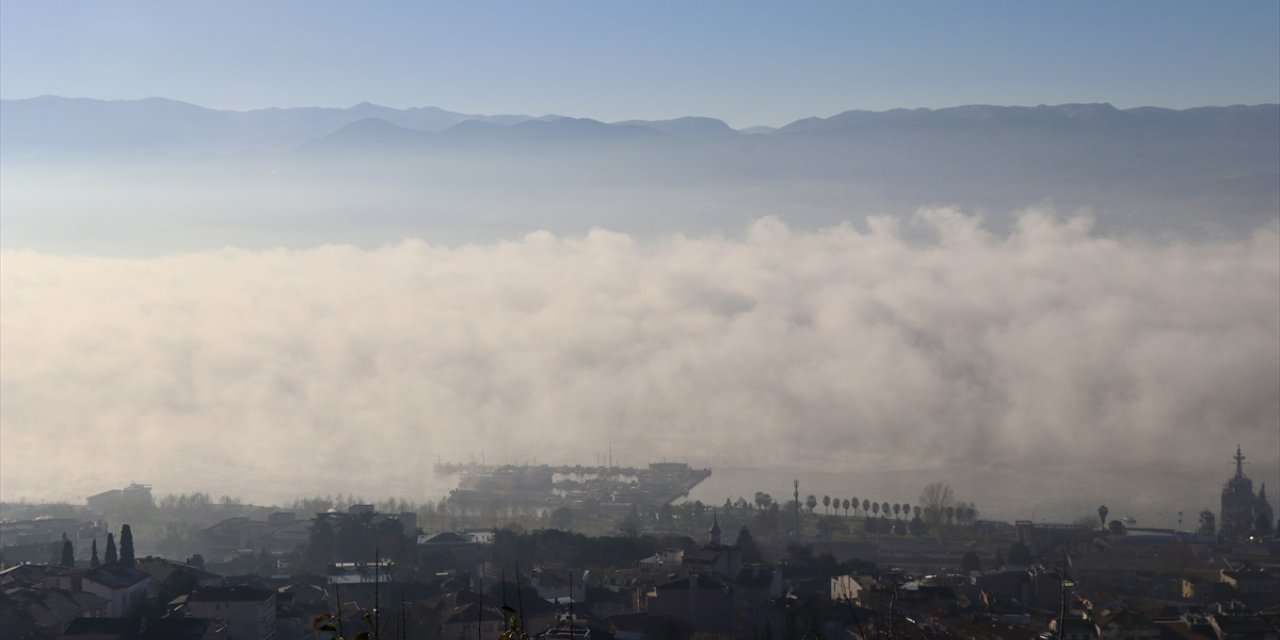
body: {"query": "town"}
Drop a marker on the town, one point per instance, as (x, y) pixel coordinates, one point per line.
(603, 552)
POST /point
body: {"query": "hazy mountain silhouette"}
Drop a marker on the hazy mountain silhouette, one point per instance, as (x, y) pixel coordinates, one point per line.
(52, 124)
(686, 127)
(384, 172)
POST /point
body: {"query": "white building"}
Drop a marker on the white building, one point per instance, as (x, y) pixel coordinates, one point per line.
(123, 587)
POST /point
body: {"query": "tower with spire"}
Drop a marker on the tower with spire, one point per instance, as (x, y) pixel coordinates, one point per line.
(1238, 502)
(714, 531)
(1263, 517)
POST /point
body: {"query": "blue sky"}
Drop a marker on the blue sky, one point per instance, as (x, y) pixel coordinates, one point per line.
(746, 62)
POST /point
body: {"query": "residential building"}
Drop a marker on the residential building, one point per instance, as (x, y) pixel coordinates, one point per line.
(250, 612)
(122, 586)
(472, 621)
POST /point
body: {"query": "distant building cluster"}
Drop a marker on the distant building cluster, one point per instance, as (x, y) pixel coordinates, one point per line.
(680, 572)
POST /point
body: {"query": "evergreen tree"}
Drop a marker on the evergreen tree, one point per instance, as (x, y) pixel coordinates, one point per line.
(917, 527)
(126, 546)
(746, 546)
(93, 558)
(1019, 553)
(68, 554)
(321, 544)
(111, 556)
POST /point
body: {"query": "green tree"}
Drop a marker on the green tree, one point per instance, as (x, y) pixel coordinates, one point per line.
(93, 557)
(935, 498)
(897, 509)
(68, 559)
(826, 505)
(917, 526)
(875, 508)
(112, 557)
(666, 514)
(321, 543)
(846, 507)
(562, 518)
(763, 500)
(355, 537)
(748, 551)
(126, 546)
(811, 503)
(391, 542)
(871, 525)
(866, 506)
(1019, 553)
(630, 526)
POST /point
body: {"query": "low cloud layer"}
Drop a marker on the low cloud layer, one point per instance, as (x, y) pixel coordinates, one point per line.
(286, 372)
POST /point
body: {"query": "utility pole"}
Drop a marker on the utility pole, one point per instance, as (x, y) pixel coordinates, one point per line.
(1065, 583)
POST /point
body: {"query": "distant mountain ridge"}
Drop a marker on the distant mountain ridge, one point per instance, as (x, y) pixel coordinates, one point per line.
(56, 125)
(370, 171)
(150, 125)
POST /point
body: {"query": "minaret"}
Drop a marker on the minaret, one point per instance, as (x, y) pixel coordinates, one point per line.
(714, 531)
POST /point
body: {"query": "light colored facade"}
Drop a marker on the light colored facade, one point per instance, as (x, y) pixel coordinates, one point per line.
(122, 587)
(556, 584)
(662, 563)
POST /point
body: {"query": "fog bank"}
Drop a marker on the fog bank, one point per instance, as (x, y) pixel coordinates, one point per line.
(282, 372)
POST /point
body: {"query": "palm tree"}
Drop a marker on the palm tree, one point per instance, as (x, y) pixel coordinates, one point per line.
(826, 505)
(875, 508)
(885, 508)
(846, 507)
(916, 511)
(866, 506)
(897, 509)
(811, 503)
(856, 503)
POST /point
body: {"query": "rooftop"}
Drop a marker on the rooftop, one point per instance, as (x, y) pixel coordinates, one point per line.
(230, 594)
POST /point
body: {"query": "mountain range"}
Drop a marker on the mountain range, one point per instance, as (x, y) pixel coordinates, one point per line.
(368, 174)
(50, 125)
